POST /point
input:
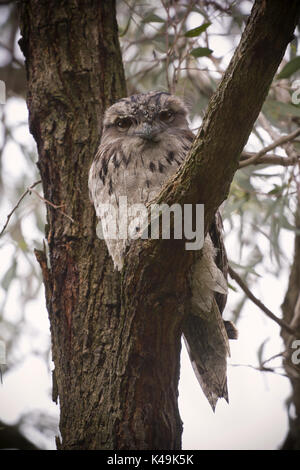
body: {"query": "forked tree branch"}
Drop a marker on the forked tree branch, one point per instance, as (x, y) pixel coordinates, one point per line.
(206, 174)
(252, 160)
(270, 159)
(28, 191)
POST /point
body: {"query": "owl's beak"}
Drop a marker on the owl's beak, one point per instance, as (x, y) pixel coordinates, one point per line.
(147, 132)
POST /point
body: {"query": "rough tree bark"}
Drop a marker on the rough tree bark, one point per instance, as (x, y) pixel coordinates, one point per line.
(116, 339)
(74, 71)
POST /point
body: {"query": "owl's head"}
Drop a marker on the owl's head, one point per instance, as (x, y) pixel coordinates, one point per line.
(145, 118)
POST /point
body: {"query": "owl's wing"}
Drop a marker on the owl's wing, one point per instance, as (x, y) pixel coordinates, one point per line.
(205, 333)
(215, 232)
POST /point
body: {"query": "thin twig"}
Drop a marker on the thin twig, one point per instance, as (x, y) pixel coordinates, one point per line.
(144, 71)
(55, 206)
(281, 141)
(260, 369)
(181, 57)
(28, 190)
(170, 48)
(168, 52)
(275, 356)
(288, 147)
(132, 11)
(271, 159)
(234, 275)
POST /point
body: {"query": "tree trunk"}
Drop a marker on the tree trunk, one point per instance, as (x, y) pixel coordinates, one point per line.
(116, 340)
(74, 71)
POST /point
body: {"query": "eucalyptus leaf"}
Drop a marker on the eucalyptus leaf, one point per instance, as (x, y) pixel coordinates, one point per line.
(153, 18)
(278, 108)
(247, 269)
(277, 189)
(9, 275)
(286, 224)
(192, 33)
(230, 286)
(260, 351)
(201, 52)
(291, 67)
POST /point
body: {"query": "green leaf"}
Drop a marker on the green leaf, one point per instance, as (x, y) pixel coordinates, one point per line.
(153, 18)
(261, 350)
(291, 67)
(278, 108)
(286, 224)
(122, 32)
(246, 269)
(192, 33)
(201, 52)
(230, 286)
(277, 189)
(9, 275)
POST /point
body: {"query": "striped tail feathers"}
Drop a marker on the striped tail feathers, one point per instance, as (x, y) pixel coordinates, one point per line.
(207, 345)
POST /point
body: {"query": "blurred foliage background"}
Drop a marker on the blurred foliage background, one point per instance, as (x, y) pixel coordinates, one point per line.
(179, 46)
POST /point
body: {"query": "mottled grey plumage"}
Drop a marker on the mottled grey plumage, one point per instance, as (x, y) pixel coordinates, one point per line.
(145, 139)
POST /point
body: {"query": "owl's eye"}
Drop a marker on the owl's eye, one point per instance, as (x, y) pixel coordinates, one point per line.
(123, 123)
(166, 116)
